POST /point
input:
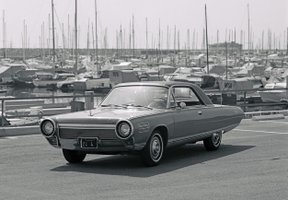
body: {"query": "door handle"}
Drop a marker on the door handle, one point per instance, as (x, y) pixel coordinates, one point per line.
(200, 112)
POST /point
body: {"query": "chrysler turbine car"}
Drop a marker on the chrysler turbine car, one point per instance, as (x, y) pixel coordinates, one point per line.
(144, 118)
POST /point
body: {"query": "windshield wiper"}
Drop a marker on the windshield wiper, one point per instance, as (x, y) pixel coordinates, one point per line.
(137, 106)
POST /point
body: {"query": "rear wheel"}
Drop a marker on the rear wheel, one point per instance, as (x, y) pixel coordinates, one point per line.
(213, 142)
(153, 151)
(73, 156)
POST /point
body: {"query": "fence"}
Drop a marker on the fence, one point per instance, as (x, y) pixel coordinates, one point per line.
(45, 106)
(246, 99)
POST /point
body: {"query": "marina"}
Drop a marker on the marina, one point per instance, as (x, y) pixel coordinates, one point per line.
(258, 79)
(236, 69)
(136, 99)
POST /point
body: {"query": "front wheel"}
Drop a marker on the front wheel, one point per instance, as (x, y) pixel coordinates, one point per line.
(213, 142)
(73, 156)
(153, 151)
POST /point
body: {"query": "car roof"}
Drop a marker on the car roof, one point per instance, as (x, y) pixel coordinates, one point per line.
(155, 83)
(168, 84)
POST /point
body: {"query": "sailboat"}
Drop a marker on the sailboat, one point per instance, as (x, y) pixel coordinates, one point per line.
(92, 80)
(50, 79)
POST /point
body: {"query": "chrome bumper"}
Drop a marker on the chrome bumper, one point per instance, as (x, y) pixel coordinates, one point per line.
(104, 145)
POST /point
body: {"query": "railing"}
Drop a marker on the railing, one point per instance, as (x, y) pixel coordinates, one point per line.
(245, 97)
(91, 99)
(70, 102)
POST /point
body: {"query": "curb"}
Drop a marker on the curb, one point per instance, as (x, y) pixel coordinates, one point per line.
(19, 130)
(249, 115)
(268, 117)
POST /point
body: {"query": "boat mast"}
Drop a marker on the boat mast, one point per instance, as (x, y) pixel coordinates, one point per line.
(174, 46)
(159, 45)
(53, 34)
(4, 35)
(130, 36)
(188, 41)
(133, 36)
(24, 39)
(248, 31)
(287, 42)
(76, 53)
(42, 40)
(262, 42)
(63, 38)
(207, 51)
(68, 33)
(217, 43)
(120, 40)
(96, 35)
(48, 40)
(146, 20)
(93, 40)
(226, 53)
(88, 37)
(167, 38)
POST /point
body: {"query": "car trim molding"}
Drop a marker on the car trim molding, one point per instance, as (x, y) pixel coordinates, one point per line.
(201, 135)
(88, 126)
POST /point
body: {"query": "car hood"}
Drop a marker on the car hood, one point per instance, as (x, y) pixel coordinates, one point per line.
(104, 115)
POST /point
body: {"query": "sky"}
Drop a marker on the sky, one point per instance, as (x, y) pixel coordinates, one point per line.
(224, 16)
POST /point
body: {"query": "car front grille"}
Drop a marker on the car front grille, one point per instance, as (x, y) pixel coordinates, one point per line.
(74, 133)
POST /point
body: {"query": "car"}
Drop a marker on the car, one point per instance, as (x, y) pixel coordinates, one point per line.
(144, 118)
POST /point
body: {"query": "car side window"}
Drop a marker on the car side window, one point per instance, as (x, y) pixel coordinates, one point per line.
(186, 95)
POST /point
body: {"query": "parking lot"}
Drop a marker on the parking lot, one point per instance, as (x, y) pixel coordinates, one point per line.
(252, 163)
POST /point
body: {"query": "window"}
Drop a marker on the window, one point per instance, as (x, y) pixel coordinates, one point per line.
(151, 96)
(115, 74)
(186, 95)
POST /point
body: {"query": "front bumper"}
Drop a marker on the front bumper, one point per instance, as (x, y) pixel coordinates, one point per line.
(104, 145)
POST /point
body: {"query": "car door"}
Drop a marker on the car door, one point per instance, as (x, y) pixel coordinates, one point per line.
(190, 117)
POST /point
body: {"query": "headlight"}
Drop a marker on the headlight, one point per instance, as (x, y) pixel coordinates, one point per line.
(124, 129)
(48, 127)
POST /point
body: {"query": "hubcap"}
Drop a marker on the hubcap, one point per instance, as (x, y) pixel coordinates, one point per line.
(216, 139)
(156, 148)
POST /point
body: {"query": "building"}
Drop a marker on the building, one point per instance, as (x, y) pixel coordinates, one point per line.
(232, 48)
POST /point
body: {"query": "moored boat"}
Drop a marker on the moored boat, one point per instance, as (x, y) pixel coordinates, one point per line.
(46, 79)
(277, 93)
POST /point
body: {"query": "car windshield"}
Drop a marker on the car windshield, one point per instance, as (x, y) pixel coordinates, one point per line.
(137, 96)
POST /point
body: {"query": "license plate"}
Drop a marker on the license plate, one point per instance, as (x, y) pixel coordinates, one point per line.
(88, 143)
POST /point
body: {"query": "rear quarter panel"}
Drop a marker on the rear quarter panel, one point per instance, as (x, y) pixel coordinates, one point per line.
(220, 117)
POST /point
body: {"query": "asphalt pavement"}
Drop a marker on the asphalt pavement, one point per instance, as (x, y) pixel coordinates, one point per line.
(252, 163)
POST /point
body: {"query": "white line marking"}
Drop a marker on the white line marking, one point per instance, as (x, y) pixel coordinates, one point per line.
(9, 137)
(273, 122)
(278, 133)
(276, 122)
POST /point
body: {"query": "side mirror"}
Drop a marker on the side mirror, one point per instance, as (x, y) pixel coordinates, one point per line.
(182, 105)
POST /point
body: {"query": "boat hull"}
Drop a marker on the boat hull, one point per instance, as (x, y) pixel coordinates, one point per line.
(273, 95)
